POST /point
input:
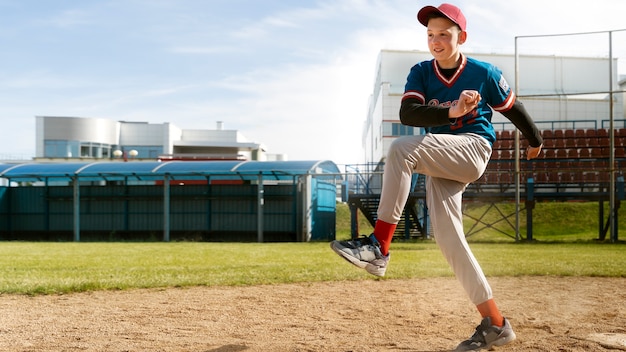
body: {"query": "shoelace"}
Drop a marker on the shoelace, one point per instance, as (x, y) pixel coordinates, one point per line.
(364, 240)
(479, 334)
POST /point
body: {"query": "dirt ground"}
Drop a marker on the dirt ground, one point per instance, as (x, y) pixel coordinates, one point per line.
(547, 313)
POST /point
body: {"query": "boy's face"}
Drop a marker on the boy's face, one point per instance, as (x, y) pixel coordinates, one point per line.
(444, 41)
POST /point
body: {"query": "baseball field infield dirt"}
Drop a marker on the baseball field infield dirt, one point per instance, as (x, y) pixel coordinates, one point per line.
(547, 313)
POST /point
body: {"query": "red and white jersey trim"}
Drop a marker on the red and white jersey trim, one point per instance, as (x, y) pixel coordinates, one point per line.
(507, 104)
(413, 94)
(449, 82)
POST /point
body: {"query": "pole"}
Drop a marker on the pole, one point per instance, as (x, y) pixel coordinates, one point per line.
(612, 213)
(517, 154)
(76, 209)
(166, 208)
(260, 203)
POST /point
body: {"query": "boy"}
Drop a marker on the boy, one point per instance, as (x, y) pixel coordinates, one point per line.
(452, 96)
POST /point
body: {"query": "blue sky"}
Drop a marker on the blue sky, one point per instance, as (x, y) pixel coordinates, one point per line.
(293, 75)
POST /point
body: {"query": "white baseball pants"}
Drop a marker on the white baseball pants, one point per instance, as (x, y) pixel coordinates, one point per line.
(450, 163)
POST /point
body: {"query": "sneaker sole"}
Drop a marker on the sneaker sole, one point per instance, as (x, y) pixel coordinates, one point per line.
(349, 258)
(503, 341)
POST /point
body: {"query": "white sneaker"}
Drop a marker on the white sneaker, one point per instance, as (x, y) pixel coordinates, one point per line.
(363, 252)
(487, 336)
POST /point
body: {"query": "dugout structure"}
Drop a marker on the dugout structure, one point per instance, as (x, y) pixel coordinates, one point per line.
(199, 200)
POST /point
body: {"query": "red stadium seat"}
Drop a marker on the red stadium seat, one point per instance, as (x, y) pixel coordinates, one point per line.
(559, 143)
(506, 178)
(584, 153)
(495, 154)
(553, 177)
(559, 134)
(573, 153)
(596, 152)
(577, 176)
(571, 142)
(567, 177)
(603, 176)
(540, 177)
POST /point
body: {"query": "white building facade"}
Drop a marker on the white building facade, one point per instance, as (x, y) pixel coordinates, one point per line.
(558, 92)
(97, 138)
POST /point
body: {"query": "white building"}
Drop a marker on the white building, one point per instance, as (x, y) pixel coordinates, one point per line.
(555, 90)
(96, 138)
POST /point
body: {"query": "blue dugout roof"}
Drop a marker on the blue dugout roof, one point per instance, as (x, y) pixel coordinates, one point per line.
(117, 170)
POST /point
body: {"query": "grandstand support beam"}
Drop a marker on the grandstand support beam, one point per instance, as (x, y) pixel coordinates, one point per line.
(530, 205)
(354, 220)
(407, 222)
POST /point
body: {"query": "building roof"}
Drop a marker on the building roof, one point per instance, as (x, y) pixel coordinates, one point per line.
(187, 170)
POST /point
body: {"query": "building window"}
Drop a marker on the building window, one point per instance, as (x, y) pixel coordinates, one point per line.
(75, 149)
(61, 149)
(145, 152)
(398, 129)
(395, 129)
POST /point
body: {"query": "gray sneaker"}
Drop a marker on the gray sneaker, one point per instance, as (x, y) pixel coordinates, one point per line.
(487, 336)
(363, 252)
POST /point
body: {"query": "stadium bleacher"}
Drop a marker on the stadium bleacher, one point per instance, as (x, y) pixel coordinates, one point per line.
(569, 157)
(573, 166)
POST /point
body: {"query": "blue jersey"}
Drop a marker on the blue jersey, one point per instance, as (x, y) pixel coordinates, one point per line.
(427, 84)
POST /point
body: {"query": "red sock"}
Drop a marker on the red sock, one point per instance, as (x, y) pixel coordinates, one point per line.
(383, 231)
(490, 309)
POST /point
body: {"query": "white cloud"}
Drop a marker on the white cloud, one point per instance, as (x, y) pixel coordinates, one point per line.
(204, 50)
(68, 18)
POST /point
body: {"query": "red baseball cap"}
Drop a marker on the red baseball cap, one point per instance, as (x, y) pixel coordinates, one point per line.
(449, 11)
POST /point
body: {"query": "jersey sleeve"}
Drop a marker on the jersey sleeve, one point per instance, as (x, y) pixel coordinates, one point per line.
(414, 87)
(501, 96)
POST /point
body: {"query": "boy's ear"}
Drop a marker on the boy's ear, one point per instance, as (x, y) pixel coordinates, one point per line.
(462, 37)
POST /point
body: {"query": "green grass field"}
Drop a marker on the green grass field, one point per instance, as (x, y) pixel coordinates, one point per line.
(56, 267)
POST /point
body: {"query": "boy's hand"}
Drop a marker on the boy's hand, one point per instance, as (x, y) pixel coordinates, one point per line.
(468, 101)
(533, 152)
